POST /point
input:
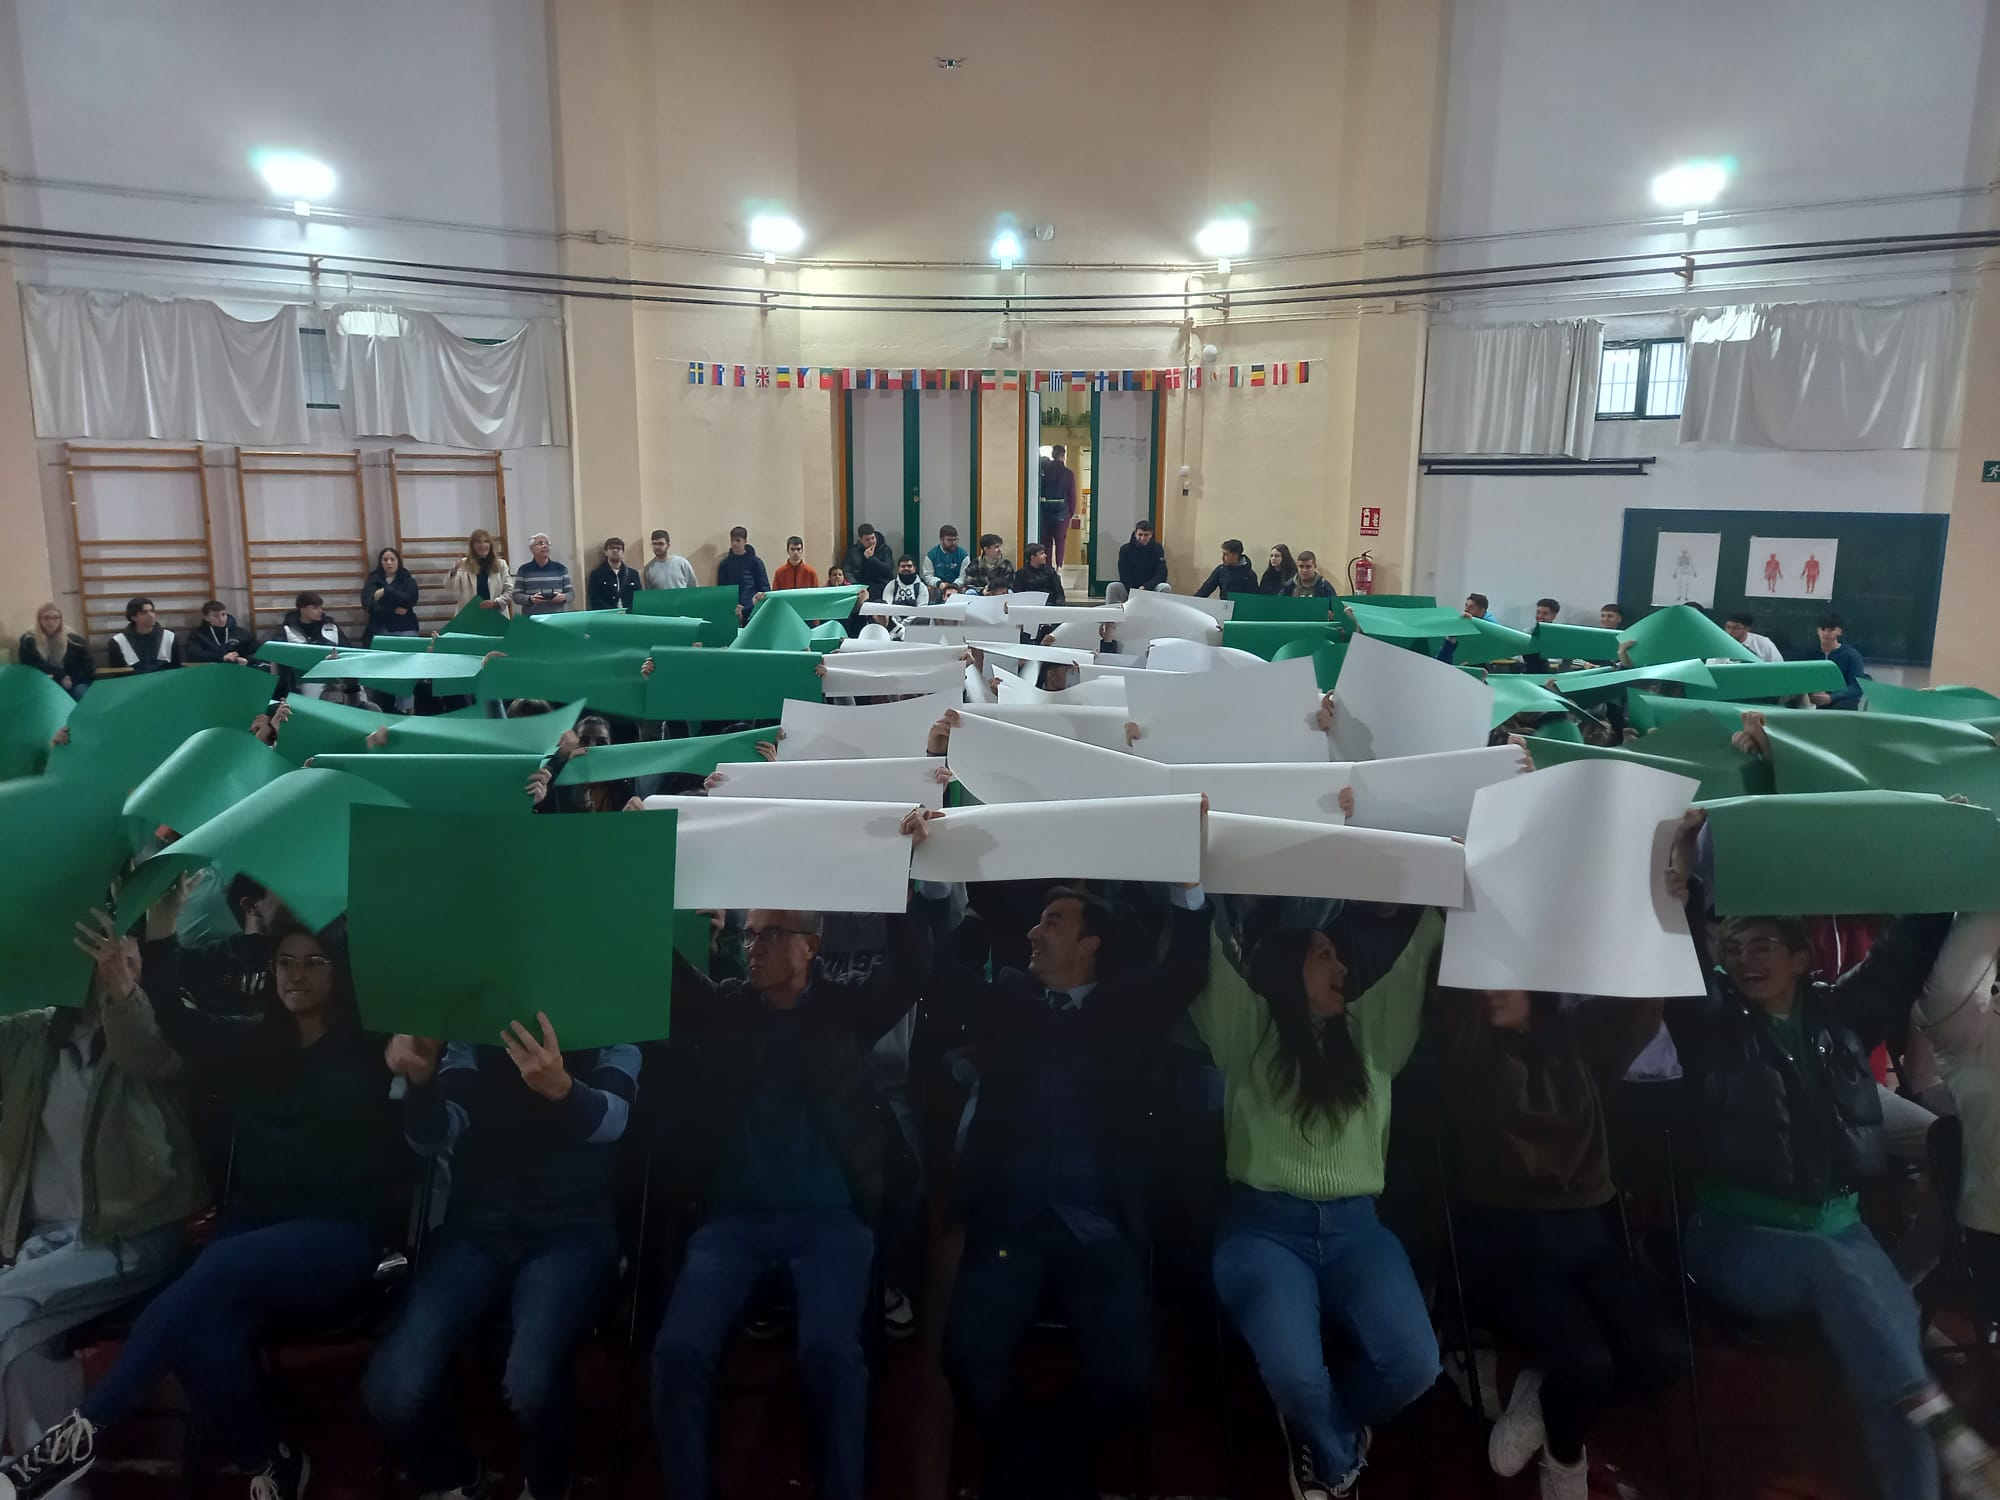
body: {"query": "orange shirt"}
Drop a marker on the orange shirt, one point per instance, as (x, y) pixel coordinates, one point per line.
(789, 576)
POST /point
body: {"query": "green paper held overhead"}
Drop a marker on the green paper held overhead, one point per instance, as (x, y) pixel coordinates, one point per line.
(1326, 659)
(689, 757)
(715, 607)
(1492, 642)
(395, 669)
(442, 645)
(1514, 694)
(1392, 601)
(1256, 608)
(814, 604)
(1592, 687)
(126, 726)
(693, 684)
(1680, 632)
(1853, 852)
(1575, 642)
(210, 773)
(610, 629)
(32, 709)
(772, 630)
(1394, 624)
(1840, 752)
(317, 728)
(476, 619)
(1912, 703)
(291, 836)
(609, 684)
(1265, 637)
(430, 967)
(298, 655)
(1738, 682)
(68, 838)
(446, 782)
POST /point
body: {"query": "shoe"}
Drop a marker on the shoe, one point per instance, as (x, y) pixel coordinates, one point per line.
(1565, 1481)
(1972, 1467)
(1301, 1469)
(1518, 1436)
(1352, 1478)
(65, 1452)
(284, 1477)
(899, 1318)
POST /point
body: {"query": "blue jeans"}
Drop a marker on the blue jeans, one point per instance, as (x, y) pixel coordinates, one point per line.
(1281, 1263)
(1847, 1284)
(827, 1254)
(558, 1279)
(201, 1327)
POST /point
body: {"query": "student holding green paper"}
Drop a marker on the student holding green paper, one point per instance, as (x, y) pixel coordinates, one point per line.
(1786, 1125)
(1833, 646)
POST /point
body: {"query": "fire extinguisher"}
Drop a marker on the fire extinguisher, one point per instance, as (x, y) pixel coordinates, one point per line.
(1361, 574)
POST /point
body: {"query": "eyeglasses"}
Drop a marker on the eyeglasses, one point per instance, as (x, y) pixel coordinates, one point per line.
(1764, 947)
(752, 936)
(312, 963)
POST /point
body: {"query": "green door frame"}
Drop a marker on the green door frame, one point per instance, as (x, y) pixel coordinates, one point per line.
(1153, 431)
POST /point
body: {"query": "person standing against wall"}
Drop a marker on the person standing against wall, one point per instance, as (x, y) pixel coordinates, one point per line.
(742, 567)
(1058, 492)
(541, 585)
(667, 569)
(612, 583)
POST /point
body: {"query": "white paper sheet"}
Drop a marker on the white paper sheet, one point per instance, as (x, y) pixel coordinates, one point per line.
(1684, 567)
(738, 852)
(1131, 838)
(934, 635)
(1019, 652)
(1566, 888)
(834, 731)
(1250, 856)
(1002, 762)
(902, 669)
(1029, 616)
(978, 689)
(1430, 793)
(1101, 692)
(908, 781)
(1086, 724)
(1390, 702)
(1265, 713)
(1078, 635)
(941, 609)
(1150, 617)
(1217, 609)
(1307, 791)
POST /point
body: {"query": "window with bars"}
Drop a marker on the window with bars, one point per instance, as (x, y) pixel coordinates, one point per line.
(1641, 380)
(321, 394)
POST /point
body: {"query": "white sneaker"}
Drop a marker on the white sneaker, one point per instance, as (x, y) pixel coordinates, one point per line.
(1565, 1481)
(1301, 1469)
(1352, 1477)
(899, 1318)
(64, 1454)
(1971, 1465)
(1518, 1436)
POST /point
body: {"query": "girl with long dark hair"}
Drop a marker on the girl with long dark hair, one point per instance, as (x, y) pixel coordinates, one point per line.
(1307, 1075)
(1280, 574)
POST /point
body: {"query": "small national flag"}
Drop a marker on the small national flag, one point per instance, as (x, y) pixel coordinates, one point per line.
(1237, 377)
(989, 380)
(804, 371)
(827, 379)
(716, 374)
(785, 377)
(1101, 381)
(1079, 380)
(894, 380)
(1195, 377)
(697, 372)
(1305, 371)
(763, 374)
(1010, 380)
(1281, 372)
(1256, 374)
(1171, 377)
(742, 375)
(1149, 380)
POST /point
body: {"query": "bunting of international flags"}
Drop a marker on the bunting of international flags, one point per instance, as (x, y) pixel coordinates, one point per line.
(831, 378)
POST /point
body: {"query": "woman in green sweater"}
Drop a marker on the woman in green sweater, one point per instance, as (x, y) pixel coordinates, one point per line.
(1306, 1079)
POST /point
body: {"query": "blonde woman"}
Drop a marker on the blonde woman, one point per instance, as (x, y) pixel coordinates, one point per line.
(61, 653)
(481, 574)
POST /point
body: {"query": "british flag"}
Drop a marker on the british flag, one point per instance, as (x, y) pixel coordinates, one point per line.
(763, 374)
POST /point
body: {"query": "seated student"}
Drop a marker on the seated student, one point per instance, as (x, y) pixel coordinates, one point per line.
(389, 598)
(531, 1131)
(666, 568)
(230, 977)
(144, 645)
(101, 1157)
(988, 573)
(1786, 1123)
(1279, 573)
(481, 574)
(1524, 1081)
(592, 731)
(836, 576)
(613, 582)
(308, 624)
(1833, 646)
(1231, 576)
(906, 587)
(1037, 576)
(1547, 612)
(1052, 1173)
(795, 572)
(1957, 1013)
(786, 1145)
(1476, 607)
(943, 563)
(219, 637)
(1142, 564)
(307, 1097)
(1309, 582)
(1738, 624)
(1307, 1076)
(1610, 617)
(62, 654)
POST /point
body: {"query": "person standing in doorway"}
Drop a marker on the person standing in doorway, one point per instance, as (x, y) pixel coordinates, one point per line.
(667, 569)
(1058, 492)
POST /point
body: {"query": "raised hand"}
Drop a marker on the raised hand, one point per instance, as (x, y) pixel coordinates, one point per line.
(114, 959)
(413, 1057)
(767, 749)
(537, 786)
(540, 1062)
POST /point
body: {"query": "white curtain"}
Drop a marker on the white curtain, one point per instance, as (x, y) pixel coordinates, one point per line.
(119, 365)
(405, 374)
(1827, 375)
(1526, 388)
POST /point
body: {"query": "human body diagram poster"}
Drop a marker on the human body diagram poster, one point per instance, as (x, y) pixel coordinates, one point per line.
(1684, 568)
(1790, 567)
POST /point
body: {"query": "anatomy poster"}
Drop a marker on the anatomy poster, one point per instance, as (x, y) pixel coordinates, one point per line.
(1684, 568)
(1790, 567)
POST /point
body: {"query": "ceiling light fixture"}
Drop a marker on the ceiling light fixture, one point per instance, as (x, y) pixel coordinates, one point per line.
(294, 176)
(1006, 249)
(1224, 239)
(775, 235)
(1692, 184)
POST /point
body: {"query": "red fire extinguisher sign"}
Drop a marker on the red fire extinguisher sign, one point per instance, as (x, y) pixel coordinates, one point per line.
(1371, 520)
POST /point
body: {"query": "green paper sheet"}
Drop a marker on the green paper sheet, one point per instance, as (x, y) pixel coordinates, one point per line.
(607, 683)
(1264, 637)
(1411, 624)
(211, 772)
(1514, 694)
(693, 684)
(1595, 686)
(1680, 632)
(1722, 771)
(1392, 601)
(1991, 704)
(125, 726)
(316, 728)
(290, 835)
(1886, 852)
(716, 607)
(1738, 682)
(691, 938)
(443, 645)
(1565, 731)
(68, 842)
(298, 655)
(431, 966)
(815, 604)
(32, 709)
(395, 669)
(693, 757)
(446, 782)
(1494, 642)
(1911, 703)
(773, 630)
(1832, 751)
(1575, 642)
(597, 631)
(1255, 608)
(476, 619)
(1326, 659)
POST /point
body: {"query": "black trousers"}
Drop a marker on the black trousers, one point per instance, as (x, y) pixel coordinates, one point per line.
(1556, 1284)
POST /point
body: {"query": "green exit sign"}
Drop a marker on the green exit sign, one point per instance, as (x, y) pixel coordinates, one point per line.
(1989, 472)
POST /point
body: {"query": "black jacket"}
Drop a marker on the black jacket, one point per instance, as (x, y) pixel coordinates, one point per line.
(1274, 582)
(605, 589)
(1142, 565)
(145, 653)
(1125, 1022)
(875, 572)
(1044, 579)
(76, 664)
(715, 1053)
(1241, 579)
(1807, 1130)
(399, 592)
(206, 643)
